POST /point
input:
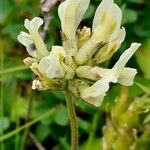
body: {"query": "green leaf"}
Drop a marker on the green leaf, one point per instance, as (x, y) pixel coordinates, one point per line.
(129, 16)
(144, 88)
(13, 29)
(10, 87)
(96, 144)
(89, 12)
(5, 10)
(61, 117)
(4, 124)
(137, 1)
(84, 125)
(19, 108)
(147, 119)
(142, 56)
(42, 131)
(136, 90)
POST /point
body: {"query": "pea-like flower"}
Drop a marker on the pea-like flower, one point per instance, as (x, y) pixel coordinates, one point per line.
(74, 66)
(118, 74)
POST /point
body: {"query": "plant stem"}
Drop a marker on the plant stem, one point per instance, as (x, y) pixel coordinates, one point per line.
(17, 135)
(73, 120)
(93, 131)
(25, 135)
(1, 91)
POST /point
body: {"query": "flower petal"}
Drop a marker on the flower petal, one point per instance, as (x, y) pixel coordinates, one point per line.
(70, 13)
(44, 64)
(58, 51)
(55, 69)
(95, 101)
(106, 52)
(51, 65)
(104, 5)
(127, 54)
(107, 21)
(96, 91)
(121, 35)
(34, 24)
(26, 40)
(106, 74)
(127, 76)
(33, 27)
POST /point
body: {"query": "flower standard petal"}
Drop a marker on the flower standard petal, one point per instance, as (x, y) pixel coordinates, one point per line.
(106, 27)
(33, 27)
(71, 13)
(107, 21)
(104, 5)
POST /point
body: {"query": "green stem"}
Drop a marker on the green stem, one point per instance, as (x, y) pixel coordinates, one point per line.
(14, 69)
(14, 132)
(17, 135)
(73, 120)
(26, 132)
(1, 91)
(93, 130)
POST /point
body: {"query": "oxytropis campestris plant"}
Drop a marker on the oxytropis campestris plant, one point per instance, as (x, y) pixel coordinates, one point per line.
(76, 66)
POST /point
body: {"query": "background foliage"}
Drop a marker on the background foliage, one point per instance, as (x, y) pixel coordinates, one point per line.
(19, 104)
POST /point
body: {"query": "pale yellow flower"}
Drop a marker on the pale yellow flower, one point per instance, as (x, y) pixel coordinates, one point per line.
(74, 66)
(118, 74)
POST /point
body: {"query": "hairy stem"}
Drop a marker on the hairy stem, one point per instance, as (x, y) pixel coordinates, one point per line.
(73, 120)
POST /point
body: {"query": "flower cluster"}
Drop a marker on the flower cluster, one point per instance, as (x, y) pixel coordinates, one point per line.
(77, 64)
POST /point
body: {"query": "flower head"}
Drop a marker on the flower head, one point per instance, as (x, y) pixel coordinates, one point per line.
(74, 66)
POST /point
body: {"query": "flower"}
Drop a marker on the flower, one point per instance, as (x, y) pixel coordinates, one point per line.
(33, 41)
(106, 28)
(51, 65)
(118, 74)
(76, 66)
(71, 13)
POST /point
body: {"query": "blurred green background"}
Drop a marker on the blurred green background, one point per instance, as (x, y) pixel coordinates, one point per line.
(19, 104)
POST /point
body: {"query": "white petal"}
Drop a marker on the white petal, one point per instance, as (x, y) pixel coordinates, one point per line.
(58, 51)
(55, 69)
(44, 64)
(95, 101)
(33, 27)
(70, 13)
(96, 91)
(104, 5)
(51, 67)
(107, 21)
(121, 36)
(127, 54)
(81, 9)
(127, 76)
(34, 24)
(106, 74)
(26, 40)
